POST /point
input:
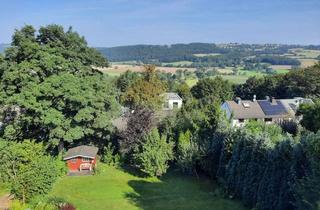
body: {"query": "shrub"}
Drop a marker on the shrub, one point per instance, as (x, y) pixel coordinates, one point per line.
(109, 157)
(153, 156)
(27, 168)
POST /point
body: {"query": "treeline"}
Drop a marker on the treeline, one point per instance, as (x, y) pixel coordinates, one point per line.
(161, 53)
(276, 60)
(266, 174)
(302, 83)
(230, 55)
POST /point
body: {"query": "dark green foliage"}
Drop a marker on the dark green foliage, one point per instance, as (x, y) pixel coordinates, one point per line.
(267, 174)
(311, 116)
(290, 126)
(51, 93)
(296, 83)
(212, 90)
(308, 189)
(126, 80)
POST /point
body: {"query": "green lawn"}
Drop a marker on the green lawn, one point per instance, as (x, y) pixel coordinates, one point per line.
(236, 79)
(116, 189)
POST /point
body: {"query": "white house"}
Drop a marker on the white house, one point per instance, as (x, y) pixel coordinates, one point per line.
(172, 101)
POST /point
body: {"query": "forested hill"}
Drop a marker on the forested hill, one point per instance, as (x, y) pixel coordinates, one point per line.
(228, 54)
(163, 53)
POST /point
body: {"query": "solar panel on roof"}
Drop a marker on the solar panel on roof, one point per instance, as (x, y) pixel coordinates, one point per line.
(272, 109)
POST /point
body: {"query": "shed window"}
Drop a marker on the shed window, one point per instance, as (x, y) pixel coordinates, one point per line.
(86, 159)
(268, 119)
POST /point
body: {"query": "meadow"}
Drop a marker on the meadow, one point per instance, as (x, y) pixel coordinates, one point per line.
(117, 189)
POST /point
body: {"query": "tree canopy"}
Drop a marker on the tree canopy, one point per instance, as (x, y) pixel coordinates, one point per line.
(50, 90)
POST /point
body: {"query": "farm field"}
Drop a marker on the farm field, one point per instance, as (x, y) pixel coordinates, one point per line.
(205, 55)
(235, 79)
(117, 69)
(307, 62)
(179, 63)
(299, 53)
(115, 189)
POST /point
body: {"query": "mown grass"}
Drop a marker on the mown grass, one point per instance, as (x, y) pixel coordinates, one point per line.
(116, 189)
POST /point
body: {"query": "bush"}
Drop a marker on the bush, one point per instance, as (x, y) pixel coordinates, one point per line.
(29, 171)
(187, 152)
(153, 156)
(290, 127)
(109, 156)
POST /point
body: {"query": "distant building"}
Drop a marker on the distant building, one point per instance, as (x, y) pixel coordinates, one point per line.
(172, 101)
(270, 110)
(81, 158)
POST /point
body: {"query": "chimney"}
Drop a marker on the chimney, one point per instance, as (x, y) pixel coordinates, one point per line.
(254, 98)
(273, 101)
(238, 100)
(267, 98)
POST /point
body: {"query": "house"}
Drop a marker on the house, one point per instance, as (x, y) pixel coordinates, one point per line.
(172, 101)
(270, 110)
(241, 111)
(81, 158)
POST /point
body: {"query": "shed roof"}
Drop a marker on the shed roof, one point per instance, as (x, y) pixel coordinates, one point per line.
(81, 151)
(246, 109)
(172, 96)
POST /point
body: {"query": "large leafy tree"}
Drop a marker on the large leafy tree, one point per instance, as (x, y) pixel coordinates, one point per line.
(146, 91)
(50, 90)
(209, 90)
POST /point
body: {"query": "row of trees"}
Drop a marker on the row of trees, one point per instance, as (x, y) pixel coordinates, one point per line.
(302, 83)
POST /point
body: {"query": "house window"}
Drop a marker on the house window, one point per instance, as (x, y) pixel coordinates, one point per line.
(175, 105)
(268, 119)
(73, 160)
(166, 105)
(241, 120)
(86, 159)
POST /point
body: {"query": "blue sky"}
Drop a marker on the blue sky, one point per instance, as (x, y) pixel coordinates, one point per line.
(126, 22)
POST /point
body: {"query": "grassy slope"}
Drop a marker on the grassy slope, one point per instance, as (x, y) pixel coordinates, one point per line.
(116, 189)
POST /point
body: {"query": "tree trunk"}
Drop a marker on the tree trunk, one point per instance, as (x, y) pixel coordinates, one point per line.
(61, 147)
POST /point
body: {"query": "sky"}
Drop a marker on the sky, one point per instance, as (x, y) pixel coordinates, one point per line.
(106, 23)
